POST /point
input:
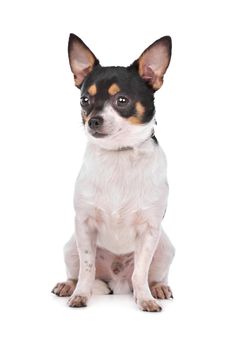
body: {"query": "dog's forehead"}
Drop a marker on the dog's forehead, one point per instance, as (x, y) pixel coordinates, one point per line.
(108, 81)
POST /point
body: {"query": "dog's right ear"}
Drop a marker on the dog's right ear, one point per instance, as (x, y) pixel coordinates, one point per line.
(82, 60)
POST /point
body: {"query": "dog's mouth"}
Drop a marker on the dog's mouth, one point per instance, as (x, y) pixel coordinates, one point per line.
(98, 134)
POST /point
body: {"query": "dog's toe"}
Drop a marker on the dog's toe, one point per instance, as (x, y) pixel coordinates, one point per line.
(161, 291)
(149, 305)
(77, 301)
(64, 289)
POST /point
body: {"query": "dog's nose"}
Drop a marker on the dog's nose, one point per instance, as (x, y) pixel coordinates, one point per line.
(95, 122)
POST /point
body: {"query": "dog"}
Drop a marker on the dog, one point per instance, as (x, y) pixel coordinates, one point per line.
(119, 245)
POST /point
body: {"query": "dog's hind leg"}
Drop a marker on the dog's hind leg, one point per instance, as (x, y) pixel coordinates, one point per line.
(159, 269)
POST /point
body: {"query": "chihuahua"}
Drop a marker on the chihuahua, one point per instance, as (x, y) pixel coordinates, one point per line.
(119, 245)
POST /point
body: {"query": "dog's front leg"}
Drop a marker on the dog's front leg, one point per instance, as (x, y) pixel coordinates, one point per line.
(85, 236)
(146, 243)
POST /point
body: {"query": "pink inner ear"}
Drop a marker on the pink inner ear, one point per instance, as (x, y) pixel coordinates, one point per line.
(153, 64)
(80, 75)
(148, 74)
(82, 61)
(153, 77)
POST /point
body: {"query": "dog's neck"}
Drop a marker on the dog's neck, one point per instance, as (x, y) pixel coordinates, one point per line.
(132, 148)
(128, 148)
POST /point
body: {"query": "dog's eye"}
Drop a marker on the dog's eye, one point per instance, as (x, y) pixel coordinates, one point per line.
(84, 101)
(122, 101)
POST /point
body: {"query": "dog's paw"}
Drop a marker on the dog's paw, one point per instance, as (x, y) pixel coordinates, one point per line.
(78, 301)
(64, 289)
(149, 305)
(161, 291)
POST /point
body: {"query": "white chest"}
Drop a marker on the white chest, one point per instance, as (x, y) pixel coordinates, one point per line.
(115, 189)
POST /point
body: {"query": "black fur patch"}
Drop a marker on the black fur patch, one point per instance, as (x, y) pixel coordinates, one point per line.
(154, 138)
(131, 85)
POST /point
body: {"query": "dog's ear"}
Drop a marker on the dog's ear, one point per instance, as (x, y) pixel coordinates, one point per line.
(154, 61)
(82, 60)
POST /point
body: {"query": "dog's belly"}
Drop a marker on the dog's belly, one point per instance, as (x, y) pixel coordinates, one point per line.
(115, 269)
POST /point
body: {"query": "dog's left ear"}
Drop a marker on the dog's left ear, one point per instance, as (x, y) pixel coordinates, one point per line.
(154, 61)
(82, 60)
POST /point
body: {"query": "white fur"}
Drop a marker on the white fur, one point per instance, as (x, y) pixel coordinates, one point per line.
(119, 190)
(100, 288)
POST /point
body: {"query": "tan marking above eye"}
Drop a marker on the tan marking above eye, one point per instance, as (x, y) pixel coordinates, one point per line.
(92, 90)
(140, 109)
(113, 89)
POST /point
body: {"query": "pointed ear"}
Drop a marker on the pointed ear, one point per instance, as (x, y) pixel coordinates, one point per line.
(82, 60)
(154, 61)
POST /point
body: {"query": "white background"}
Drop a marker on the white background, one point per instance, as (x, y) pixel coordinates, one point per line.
(42, 144)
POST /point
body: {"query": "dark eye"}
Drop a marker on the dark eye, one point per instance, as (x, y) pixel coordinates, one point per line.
(84, 101)
(122, 101)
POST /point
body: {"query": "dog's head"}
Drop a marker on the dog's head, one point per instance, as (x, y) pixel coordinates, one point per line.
(118, 102)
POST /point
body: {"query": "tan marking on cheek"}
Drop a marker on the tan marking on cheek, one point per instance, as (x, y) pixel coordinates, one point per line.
(85, 117)
(92, 90)
(114, 89)
(140, 109)
(134, 120)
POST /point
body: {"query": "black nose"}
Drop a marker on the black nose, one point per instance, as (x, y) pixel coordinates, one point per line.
(95, 122)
